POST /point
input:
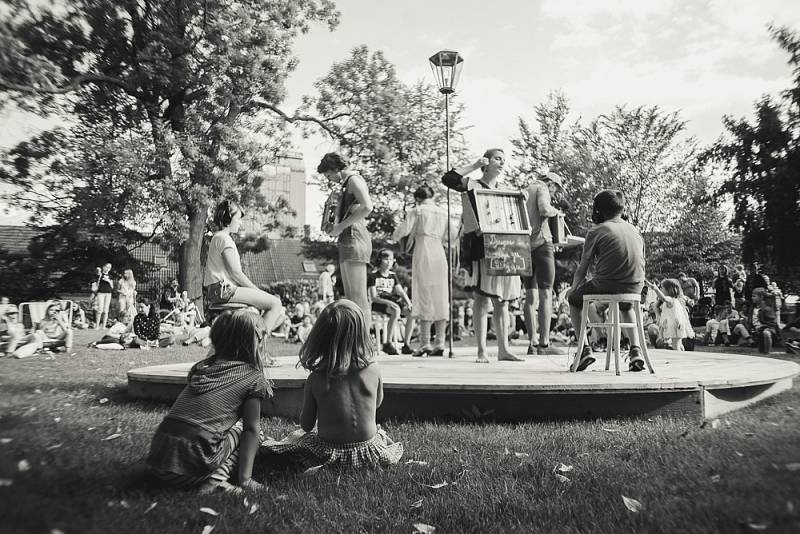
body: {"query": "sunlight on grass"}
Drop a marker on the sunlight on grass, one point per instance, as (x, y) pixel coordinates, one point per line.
(457, 477)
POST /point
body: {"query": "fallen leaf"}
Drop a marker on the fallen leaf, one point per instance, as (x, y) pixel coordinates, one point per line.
(6, 441)
(794, 466)
(436, 486)
(150, 508)
(416, 462)
(103, 400)
(715, 478)
(23, 466)
(632, 504)
(209, 511)
(416, 504)
(506, 451)
(91, 428)
(54, 447)
(739, 454)
(253, 508)
(245, 502)
(757, 526)
(37, 390)
(562, 479)
(424, 528)
(112, 436)
(67, 404)
(522, 455)
(57, 419)
(790, 507)
(4, 482)
(612, 430)
(311, 471)
(562, 468)
(124, 504)
(207, 529)
(749, 434)
(715, 423)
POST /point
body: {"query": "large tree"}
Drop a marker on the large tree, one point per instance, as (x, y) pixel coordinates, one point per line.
(763, 163)
(187, 79)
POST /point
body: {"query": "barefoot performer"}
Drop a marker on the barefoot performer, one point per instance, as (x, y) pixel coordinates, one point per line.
(355, 243)
(499, 289)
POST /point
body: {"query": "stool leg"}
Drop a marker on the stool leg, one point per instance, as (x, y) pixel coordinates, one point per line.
(581, 336)
(637, 310)
(617, 337)
(610, 332)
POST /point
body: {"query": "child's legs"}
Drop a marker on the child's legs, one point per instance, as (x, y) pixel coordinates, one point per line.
(765, 341)
(652, 333)
(30, 344)
(230, 452)
(354, 279)
(409, 330)
(394, 315)
(480, 312)
(500, 319)
(712, 329)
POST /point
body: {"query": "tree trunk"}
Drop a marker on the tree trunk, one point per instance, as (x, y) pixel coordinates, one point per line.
(190, 262)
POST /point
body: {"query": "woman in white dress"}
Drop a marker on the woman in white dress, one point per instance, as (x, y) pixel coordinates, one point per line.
(426, 225)
(127, 293)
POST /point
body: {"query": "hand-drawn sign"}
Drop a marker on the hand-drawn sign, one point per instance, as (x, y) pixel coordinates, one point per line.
(508, 254)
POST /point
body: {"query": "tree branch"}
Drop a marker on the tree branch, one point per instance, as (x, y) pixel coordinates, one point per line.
(322, 123)
(73, 85)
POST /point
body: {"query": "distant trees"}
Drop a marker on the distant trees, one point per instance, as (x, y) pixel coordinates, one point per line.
(762, 160)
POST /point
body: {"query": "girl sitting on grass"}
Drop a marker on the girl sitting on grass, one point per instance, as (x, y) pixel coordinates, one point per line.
(342, 394)
(673, 319)
(214, 425)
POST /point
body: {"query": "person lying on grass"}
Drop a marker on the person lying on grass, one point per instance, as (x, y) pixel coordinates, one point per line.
(341, 396)
(119, 336)
(212, 432)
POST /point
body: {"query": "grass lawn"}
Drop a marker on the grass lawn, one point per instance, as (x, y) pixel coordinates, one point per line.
(59, 471)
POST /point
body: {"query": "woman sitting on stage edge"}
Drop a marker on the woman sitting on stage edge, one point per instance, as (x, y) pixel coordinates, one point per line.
(355, 243)
(500, 289)
(224, 280)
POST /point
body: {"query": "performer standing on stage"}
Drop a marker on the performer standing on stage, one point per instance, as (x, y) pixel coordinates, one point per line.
(426, 225)
(543, 261)
(355, 243)
(500, 289)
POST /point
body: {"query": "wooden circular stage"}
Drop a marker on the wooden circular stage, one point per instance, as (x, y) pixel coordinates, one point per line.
(697, 384)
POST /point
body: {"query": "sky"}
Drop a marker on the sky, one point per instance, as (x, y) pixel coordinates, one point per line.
(705, 59)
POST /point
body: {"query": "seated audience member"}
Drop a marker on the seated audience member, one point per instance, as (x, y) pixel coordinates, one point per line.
(119, 336)
(304, 329)
(171, 298)
(293, 322)
(11, 330)
(78, 315)
(52, 332)
(738, 295)
(188, 310)
(564, 329)
(616, 249)
(718, 327)
(650, 318)
(147, 328)
(200, 334)
(764, 323)
(389, 298)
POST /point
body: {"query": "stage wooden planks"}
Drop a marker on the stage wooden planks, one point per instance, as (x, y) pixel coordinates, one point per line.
(696, 384)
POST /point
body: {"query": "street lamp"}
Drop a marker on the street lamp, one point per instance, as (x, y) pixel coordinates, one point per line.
(446, 66)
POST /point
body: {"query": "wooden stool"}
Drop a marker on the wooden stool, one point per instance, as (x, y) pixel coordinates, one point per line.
(380, 323)
(615, 327)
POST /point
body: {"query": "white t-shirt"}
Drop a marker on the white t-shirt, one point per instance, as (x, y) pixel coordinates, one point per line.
(215, 265)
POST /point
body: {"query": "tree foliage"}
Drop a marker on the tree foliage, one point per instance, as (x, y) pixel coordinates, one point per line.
(762, 160)
(180, 84)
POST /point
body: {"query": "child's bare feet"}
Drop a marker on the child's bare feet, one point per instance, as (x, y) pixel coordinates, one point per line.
(508, 357)
(482, 359)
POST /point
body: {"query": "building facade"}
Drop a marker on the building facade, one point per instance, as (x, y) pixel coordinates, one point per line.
(285, 178)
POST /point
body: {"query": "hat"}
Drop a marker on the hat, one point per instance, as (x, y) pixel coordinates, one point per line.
(553, 177)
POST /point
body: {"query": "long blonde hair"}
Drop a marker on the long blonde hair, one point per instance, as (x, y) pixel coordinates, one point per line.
(338, 341)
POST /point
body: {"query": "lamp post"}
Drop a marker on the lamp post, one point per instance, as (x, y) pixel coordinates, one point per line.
(446, 66)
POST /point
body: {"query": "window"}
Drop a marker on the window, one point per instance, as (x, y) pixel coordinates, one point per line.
(160, 260)
(309, 267)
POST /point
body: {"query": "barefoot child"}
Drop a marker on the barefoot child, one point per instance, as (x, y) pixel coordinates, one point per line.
(673, 321)
(342, 394)
(214, 425)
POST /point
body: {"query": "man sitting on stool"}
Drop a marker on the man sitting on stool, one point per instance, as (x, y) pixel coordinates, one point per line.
(617, 250)
(385, 291)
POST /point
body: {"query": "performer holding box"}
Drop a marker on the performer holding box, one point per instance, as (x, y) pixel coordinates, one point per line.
(484, 254)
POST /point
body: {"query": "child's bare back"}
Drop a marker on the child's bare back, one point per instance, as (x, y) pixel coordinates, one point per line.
(344, 406)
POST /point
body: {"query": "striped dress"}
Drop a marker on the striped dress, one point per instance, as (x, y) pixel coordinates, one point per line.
(199, 438)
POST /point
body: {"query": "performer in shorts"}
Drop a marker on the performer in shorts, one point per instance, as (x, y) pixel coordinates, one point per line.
(543, 261)
(355, 242)
(500, 290)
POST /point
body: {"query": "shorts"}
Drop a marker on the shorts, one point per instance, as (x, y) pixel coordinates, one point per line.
(595, 287)
(543, 263)
(355, 244)
(219, 292)
(380, 307)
